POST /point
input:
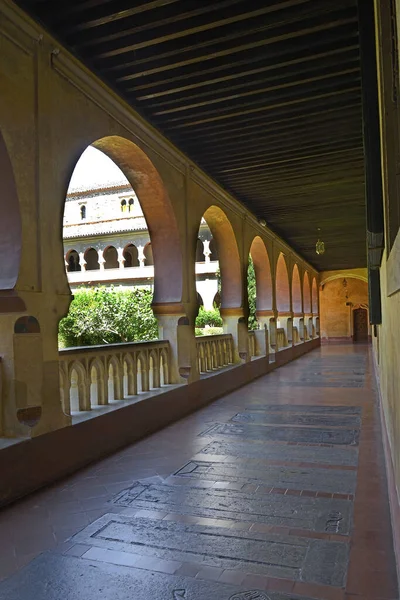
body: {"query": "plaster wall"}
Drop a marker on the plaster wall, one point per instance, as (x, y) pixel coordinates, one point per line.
(337, 301)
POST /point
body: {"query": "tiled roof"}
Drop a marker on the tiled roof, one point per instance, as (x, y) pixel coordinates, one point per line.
(88, 229)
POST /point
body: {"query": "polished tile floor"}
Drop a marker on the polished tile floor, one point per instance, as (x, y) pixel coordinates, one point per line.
(276, 491)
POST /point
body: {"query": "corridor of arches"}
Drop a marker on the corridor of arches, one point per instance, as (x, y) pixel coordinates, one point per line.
(254, 457)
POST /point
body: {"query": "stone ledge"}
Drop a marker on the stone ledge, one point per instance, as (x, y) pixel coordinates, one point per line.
(31, 464)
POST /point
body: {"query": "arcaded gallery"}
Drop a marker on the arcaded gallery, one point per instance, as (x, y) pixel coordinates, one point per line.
(199, 299)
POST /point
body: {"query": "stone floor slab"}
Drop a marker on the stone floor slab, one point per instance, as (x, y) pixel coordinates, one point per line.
(55, 577)
(346, 456)
(262, 418)
(326, 515)
(289, 557)
(346, 437)
(295, 478)
(320, 409)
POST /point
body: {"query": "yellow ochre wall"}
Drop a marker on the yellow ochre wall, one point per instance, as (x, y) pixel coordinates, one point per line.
(337, 301)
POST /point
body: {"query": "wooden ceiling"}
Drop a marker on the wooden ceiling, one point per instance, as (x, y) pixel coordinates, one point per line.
(264, 95)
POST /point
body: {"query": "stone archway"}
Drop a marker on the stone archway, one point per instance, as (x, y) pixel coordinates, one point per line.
(158, 212)
(282, 286)
(314, 296)
(262, 269)
(296, 291)
(228, 256)
(306, 293)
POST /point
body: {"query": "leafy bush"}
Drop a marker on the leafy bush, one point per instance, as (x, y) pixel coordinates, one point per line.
(107, 316)
(251, 295)
(208, 317)
(208, 331)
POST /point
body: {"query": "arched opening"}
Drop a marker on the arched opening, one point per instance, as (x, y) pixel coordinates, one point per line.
(213, 250)
(131, 256)
(306, 293)
(110, 256)
(158, 212)
(217, 300)
(199, 251)
(92, 259)
(314, 296)
(83, 212)
(148, 255)
(73, 261)
(296, 291)
(111, 164)
(109, 161)
(282, 286)
(263, 277)
(10, 223)
(228, 253)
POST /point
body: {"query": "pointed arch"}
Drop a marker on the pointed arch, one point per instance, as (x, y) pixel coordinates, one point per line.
(306, 293)
(296, 291)
(10, 223)
(282, 285)
(314, 296)
(228, 254)
(262, 269)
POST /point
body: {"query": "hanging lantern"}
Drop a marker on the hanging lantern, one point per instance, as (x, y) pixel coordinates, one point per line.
(319, 246)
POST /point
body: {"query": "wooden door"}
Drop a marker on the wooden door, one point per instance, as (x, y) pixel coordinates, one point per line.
(360, 325)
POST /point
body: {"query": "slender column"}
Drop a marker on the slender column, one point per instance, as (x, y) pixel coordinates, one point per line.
(82, 261)
(206, 250)
(102, 261)
(141, 257)
(121, 259)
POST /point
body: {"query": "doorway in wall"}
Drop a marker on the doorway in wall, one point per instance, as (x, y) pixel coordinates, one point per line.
(360, 325)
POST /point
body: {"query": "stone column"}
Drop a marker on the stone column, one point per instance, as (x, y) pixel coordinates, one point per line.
(206, 250)
(31, 398)
(174, 326)
(316, 324)
(298, 321)
(267, 319)
(82, 261)
(102, 261)
(236, 324)
(286, 321)
(262, 341)
(141, 257)
(121, 259)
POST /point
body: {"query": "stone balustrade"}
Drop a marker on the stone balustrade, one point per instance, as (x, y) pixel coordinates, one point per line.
(98, 375)
(296, 337)
(214, 351)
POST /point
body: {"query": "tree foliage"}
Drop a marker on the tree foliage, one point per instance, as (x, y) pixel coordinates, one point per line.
(208, 317)
(107, 316)
(251, 295)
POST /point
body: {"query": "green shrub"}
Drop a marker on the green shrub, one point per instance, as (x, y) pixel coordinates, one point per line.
(108, 316)
(208, 317)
